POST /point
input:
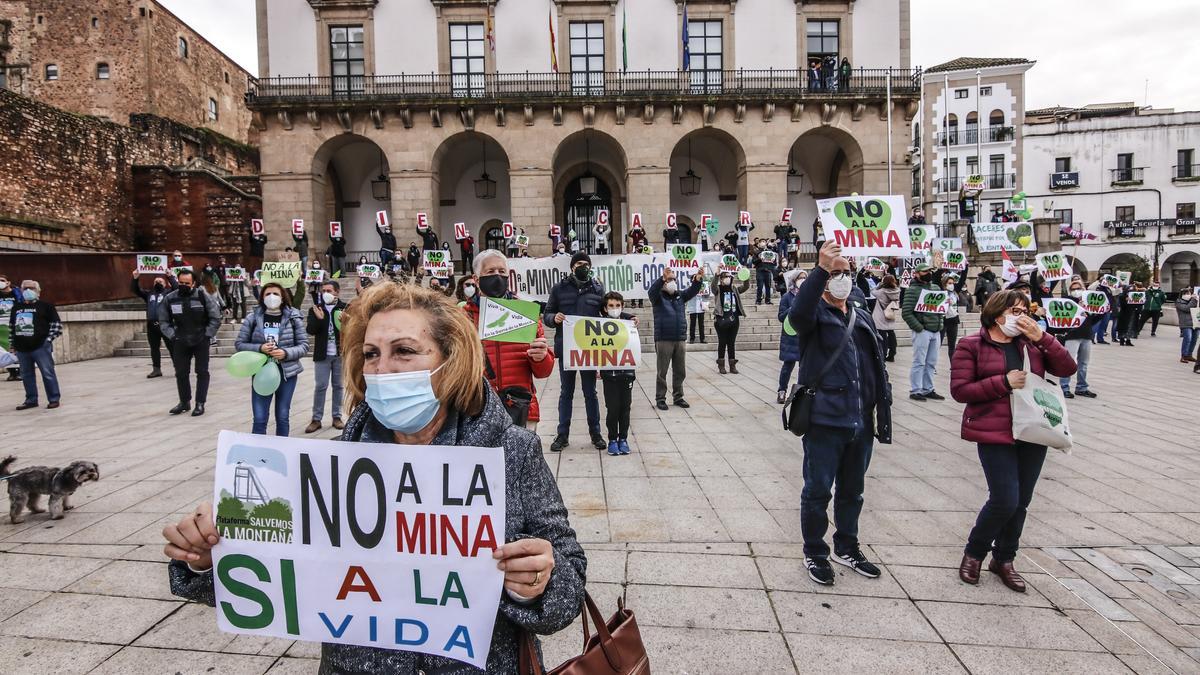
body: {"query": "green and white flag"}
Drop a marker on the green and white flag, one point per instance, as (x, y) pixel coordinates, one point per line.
(503, 320)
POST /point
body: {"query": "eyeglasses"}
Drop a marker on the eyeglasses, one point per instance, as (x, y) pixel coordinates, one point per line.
(1018, 311)
(838, 274)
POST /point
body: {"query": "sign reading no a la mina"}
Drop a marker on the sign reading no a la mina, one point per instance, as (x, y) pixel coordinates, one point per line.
(866, 226)
(386, 546)
(600, 344)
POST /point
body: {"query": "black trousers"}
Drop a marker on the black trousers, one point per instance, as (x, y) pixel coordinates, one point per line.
(184, 353)
(618, 398)
(1012, 472)
(889, 344)
(1153, 317)
(727, 339)
(155, 337)
(695, 323)
(950, 330)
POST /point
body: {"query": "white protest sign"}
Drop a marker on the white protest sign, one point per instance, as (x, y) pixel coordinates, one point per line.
(873, 264)
(682, 258)
(180, 269)
(314, 276)
(1095, 302)
(437, 263)
(507, 230)
(933, 302)
(383, 222)
(743, 217)
(369, 271)
(257, 226)
(600, 344)
(635, 221)
(787, 216)
(297, 227)
(335, 229)
(235, 275)
(403, 560)
(973, 183)
(460, 231)
(1136, 297)
(955, 261)
(672, 221)
(602, 217)
(285, 273)
(522, 241)
(422, 220)
(704, 218)
(866, 226)
(995, 237)
(920, 238)
(151, 263)
(1064, 313)
(1053, 266)
(1124, 277)
(555, 230)
(947, 243)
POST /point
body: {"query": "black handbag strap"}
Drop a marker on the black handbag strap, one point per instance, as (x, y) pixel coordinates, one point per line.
(837, 353)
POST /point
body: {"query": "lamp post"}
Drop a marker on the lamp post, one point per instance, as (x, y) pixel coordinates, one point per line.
(689, 183)
(485, 187)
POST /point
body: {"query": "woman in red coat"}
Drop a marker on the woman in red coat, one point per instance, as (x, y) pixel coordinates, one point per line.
(986, 367)
(508, 363)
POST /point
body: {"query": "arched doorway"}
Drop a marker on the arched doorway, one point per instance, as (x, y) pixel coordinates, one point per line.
(471, 183)
(823, 162)
(1180, 270)
(1078, 267)
(708, 176)
(580, 211)
(352, 172)
(589, 176)
(491, 235)
(1129, 262)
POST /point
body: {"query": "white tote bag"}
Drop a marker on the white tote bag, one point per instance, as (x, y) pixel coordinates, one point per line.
(1039, 414)
(7, 358)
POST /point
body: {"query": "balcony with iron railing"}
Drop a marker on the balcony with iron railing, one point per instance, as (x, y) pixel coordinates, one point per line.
(970, 136)
(1127, 176)
(429, 88)
(994, 181)
(1185, 173)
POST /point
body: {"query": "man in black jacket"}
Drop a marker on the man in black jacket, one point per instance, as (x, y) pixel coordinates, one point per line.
(153, 334)
(577, 295)
(851, 407)
(387, 245)
(189, 317)
(34, 325)
(337, 255)
(670, 333)
(327, 352)
(429, 239)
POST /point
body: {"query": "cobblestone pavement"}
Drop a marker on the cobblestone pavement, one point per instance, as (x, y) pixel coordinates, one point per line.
(698, 529)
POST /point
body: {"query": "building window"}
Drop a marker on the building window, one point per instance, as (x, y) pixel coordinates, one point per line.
(996, 172)
(226, 78)
(952, 129)
(51, 72)
(466, 58)
(1185, 210)
(705, 53)
(972, 128)
(347, 63)
(1185, 168)
(1064, 215)
(212, 110)
(95, 22)
(1125, 214)
(997, 209)
(587, 57)
(101, 71)
(183, 48)
(960, 93)
(40, 17)
(953, 212)
(1062, 165)
(1124, 167)
(972, 164)
(822, 39)
(985, 91)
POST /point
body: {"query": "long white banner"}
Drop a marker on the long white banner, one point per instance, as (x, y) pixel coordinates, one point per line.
(630, 275)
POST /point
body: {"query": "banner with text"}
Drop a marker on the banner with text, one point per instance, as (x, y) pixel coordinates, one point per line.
(995, 237)
(437, 262)
(1095, 302)
(285, 274)
(503, 320)
(865, 226)
(1053, 266)
(933, 302)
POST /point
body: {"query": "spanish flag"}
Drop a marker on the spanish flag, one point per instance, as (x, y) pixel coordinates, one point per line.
(553, 49)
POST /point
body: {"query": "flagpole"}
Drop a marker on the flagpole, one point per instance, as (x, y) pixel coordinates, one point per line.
(889, 128)
(946, 164)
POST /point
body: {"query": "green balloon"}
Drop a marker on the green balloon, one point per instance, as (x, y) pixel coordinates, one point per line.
(744, 274)
(337, 319)
(245, 364)
(787, 326)
(267, 380)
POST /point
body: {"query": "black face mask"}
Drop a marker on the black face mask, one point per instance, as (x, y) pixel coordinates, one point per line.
(185, 291)
(583, 273)
(158, 285)
(494, 285)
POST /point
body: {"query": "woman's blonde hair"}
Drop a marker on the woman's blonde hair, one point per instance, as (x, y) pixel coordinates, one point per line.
(459, 383)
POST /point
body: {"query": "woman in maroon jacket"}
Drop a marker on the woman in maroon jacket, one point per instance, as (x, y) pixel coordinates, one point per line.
(986, 367)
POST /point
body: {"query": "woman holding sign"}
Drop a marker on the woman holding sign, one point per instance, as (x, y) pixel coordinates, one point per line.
(277, 330)
(986, 368)
(415, 377)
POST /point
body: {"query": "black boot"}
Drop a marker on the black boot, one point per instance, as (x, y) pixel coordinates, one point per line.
(733, 367)
(721, 366)
(154, 373)
(181, 408)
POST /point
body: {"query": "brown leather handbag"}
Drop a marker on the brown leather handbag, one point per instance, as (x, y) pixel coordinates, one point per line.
(615, 649)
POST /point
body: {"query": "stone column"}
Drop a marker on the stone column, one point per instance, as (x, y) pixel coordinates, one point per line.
(532, 196)
(412, 193)
(766, 198)
(288, 196)
(649, 191)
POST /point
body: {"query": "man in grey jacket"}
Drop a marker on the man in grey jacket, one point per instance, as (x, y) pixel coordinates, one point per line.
(188, 318)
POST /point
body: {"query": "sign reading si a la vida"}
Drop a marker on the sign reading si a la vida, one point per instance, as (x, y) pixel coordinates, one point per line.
(866, 226)
(386, 546)
(600, 344)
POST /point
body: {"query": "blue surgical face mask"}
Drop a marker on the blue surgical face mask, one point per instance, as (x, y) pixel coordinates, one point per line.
(403, 402)
(29, 294)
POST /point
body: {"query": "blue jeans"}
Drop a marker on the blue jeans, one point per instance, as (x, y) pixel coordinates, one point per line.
(763, 282)
(1102, 327)
(832, 456)
(1081, 351)
(566, 398)
(1012, 472)
(743, 252)
(1189, 336)
(261, 405)
(325, 371)
(925, 356)
(785, 374)
(43, 358)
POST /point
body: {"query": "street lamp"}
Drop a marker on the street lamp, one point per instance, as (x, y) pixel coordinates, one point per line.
(587, 182)
(381, 187)
(795, 179)
(485, 187)
(689, 183)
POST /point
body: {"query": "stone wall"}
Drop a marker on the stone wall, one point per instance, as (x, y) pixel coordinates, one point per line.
(192, 210)
(95, 335)
(66, 180)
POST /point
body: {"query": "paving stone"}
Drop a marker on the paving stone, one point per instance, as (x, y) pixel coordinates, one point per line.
(689, 607)
(53, 656)
(696, 650)
(90, 618)
(1101, 603)
(849, 616)
(128, 579)
(44, 572)
(1032, 627)
(1006, 660)
(853, 656)
(146, 660)
(930, 583)
(290, 666)
(789, 574)
(720, 571)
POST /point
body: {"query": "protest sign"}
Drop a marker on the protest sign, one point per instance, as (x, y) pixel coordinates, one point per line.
(948, 243)
(682, 258)
(1110, 281)
(507, 230)
(600, 344)
(258, 275)
(866, 225)
(151, 263)
(933, 302)
(920, 238)
(712, 226)
(672, 221)
(437, 263)
(422, 220)
(502, 320)
(1053, 266)
(955, 261)
(460, 231)
(335, 229)
(1095, 302)
(522, 241)
(369, 271)
(1064, 313)
(314, 276)
(973, 183)
(635, 221)
(905, 278)
(786, 217)
(1136, 297)
(744, 218)
(995, 237)
(1124, 277)
(555, 231)
(1195, 314)
(402, 561)
(874, 265)
(257, 226)
(179, 269)
(297, 227)
(235, 275)
(285, 274)
(768, 256)
(602, 218)
(383, 222)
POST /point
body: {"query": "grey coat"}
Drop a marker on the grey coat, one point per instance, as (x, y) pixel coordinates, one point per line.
(1183, 311)
(534, 508)
(293, 338)
(883, 298)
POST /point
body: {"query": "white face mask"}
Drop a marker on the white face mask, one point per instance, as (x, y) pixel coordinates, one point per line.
(1077, 293)
(671, 287)
(840, 287)
(3, 285)
(614, 313)
(329, 298)
(469, 291)
(1009, 327)
(272, 301)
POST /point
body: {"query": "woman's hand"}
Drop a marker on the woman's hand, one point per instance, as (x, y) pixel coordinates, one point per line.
(527, 564)
(1016, 379)
(277, 353)
(191, 539)
(538, 350)
(1029, 328)
(267, 348)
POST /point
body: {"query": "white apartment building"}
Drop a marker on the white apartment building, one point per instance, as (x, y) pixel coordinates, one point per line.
(1129, 176)
(969, 124)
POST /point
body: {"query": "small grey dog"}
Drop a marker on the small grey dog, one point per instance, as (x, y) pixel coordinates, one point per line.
(26, 487)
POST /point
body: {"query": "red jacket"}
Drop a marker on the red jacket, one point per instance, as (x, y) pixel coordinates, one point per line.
(978, 378)
(511, 363)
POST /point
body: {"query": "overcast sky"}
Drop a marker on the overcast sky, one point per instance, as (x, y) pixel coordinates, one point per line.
(1087, 51)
